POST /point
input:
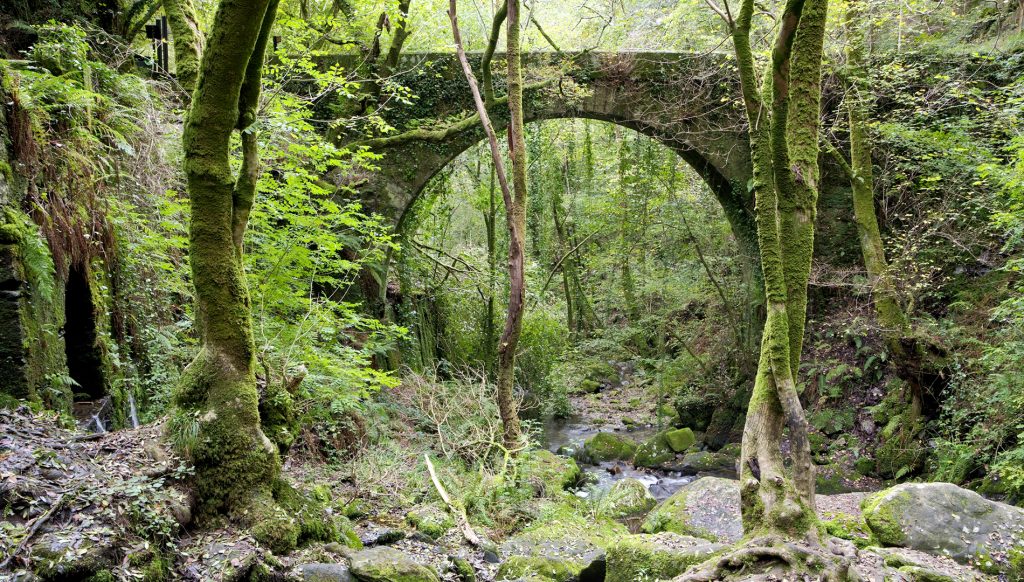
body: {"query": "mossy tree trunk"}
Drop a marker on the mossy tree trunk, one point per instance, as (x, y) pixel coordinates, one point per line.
(235, 462)
(908, 353)
(516, 218)
(783, 120)
(188, 41)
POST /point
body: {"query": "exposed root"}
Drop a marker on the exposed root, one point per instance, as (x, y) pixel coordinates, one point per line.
(773, 558)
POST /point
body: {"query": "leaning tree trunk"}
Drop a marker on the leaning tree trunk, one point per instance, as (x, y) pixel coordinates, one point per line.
(783, 136)
(908, 353)
(234, 461)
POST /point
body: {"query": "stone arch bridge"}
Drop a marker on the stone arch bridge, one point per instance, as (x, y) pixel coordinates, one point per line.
(687, 101)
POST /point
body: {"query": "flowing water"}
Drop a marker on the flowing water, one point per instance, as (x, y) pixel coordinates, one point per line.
(133, 413)
(566, 437)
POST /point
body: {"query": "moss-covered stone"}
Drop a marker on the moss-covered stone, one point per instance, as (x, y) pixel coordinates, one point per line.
(313, 521)
(694, 410)
(383, 564)
(627, 497)
(881, 514)
(660, 556)
(546, 472)
(654, 452)
(553, 569)
(848, 527)
(463, 569)
(430, 520)
(605, 446)
(680, 440)
(687, 511)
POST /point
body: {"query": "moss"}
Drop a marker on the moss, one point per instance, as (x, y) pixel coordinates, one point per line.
(268, 523)
(919, 574)
(626, 498)
(1015, 569)
(654, 557)
(463, 570)
(101, 576)
(605, 446)
(654, 452)
(430, 520)
(313, 522)
(864, 466)
(681, 439)
(153, 566)
(519, 567)
(881, 514)
(546, 472)
(849, 527)
(277, 416)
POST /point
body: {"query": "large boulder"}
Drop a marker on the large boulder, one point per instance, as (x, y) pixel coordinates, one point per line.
(605, 446)
(943, 519)
(707, 508)
(384, 564)
(564, 543)
(659, 556)
(655, 452)
(626, 498)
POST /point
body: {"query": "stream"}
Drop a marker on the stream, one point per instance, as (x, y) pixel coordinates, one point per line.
(565, 436)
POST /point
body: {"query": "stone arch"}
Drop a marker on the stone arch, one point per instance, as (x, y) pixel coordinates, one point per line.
(684, 101)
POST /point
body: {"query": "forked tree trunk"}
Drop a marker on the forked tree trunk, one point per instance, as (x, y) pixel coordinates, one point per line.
(235, 463)
(783, 137)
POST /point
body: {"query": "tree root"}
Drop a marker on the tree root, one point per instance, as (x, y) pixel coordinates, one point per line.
(773, 558)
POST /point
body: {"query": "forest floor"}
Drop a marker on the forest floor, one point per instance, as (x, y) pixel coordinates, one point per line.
(120, 499)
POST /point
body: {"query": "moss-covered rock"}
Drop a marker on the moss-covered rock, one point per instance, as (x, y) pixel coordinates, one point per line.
(708, 508)
(694, 410)
(654, 452)
(681, 439)
(430, 520)
(848, 527)
(944, 519)
(325, 573)
(75, 556)
(565, 538)
(605, 446)
(705, 462)
(314, 523)
(626, 498)
(383, 564)
(659, 556)
(546, 472)
(542, 567)
(463, 569)
(834, 478)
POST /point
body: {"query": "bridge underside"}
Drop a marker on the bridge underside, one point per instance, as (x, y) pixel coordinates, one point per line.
(688, 102)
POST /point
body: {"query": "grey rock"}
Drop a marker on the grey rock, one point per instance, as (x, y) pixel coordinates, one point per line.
(707, 508)
(943, 519)
(326, 573)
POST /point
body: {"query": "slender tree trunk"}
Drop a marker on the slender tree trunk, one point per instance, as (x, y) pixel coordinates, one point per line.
(908, 353)
(515, 205)
(516, 217)
(188, 41)
(492, 45)
(235, 463)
